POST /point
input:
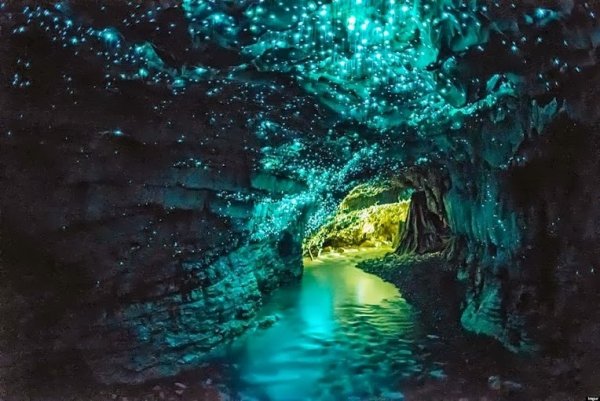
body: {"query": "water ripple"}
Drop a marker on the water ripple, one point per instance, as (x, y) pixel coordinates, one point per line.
(343, 335)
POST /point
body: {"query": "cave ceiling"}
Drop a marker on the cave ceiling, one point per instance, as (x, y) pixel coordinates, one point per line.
(321, 92)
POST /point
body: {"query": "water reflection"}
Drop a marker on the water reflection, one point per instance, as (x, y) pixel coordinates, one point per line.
(342, 335)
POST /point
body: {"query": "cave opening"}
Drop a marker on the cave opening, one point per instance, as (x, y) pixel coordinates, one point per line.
(405, 214)
(371, 215)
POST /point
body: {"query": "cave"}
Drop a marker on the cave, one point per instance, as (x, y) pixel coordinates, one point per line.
(303, 200)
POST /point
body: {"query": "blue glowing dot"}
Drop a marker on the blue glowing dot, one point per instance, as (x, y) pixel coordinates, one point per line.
(541, 12)
(178, 83)
(109, 35)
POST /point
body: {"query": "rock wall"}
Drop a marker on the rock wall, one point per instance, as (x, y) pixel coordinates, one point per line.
(516, 188)
(126, 235)
(528, 262)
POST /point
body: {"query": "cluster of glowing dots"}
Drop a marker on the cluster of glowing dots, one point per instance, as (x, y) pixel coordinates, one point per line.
(368, 60)
(363, 58)
(124, 60)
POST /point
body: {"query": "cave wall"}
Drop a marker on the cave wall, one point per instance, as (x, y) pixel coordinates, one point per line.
(516, 216)
(521, 219)
(140, 267)
(516, 193)
(126, 234)
(481, 215)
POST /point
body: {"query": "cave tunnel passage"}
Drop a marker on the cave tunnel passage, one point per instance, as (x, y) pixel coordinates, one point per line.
(159, 161)
(371, 215)
(405, 215)
(342, 332)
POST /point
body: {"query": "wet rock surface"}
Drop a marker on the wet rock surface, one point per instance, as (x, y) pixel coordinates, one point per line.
(475, 367)
(415, 276)
(205, 384)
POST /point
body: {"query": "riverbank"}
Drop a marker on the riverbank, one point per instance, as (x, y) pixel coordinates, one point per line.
(475, 367)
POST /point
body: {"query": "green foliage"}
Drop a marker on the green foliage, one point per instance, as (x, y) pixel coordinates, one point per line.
(370, 215)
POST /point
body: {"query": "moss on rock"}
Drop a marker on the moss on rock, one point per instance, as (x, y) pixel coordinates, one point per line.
(370, 215)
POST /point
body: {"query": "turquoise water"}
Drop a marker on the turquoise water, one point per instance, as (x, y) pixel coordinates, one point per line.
(341, 334)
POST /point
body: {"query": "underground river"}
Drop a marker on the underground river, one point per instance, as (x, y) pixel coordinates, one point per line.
(339, 334)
